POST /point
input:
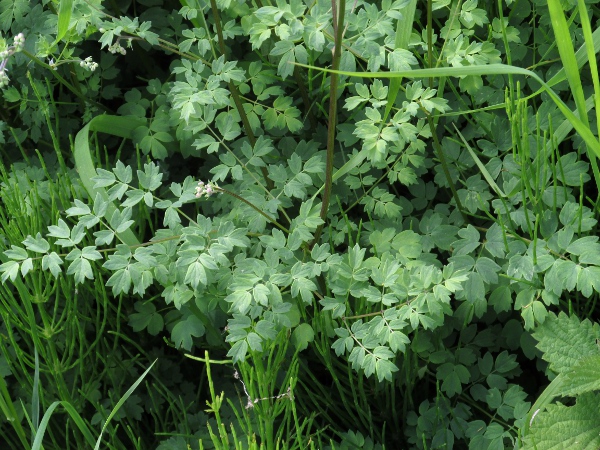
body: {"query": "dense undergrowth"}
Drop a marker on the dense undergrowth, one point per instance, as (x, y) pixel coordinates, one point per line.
(299, 224)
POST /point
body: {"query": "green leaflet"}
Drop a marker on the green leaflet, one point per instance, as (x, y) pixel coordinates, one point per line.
(117, 126)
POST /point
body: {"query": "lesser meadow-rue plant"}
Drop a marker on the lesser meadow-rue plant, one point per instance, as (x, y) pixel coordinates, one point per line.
(411, 193)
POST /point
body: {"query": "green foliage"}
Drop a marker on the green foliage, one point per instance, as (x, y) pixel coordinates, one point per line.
(382, 244)
(571, 348)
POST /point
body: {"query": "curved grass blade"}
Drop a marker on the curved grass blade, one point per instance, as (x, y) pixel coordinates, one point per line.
(65, 10)
(482, 168)
(581, 56)
(566, 51)
(490, 69)
(35, 397)
(552, 391)
(7, 408)
(403, 31)
(121, 401)
(117, 126)
(79, 422)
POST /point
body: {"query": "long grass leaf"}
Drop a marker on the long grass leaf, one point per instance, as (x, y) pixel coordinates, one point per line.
(567, 55)
(117, 126)
(79, 422)
(35, 396)
(482, 168)
(490, 69)
(552, 391)
(591, 47)
(581, 56)
(7, 408)
(120, 403)
(403, 31)
(65, 10)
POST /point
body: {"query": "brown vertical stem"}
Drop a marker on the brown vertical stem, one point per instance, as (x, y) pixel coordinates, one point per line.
(235, 95)
(338, 26)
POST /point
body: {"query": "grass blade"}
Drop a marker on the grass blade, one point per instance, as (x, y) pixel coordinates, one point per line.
(79, 422)
(591, 47)
(490, 69)
(117, 126)
(35, 396)
(403, 30)
(569, 61)
(482, 168)
(567, 54)
(65, 10)
(120, 403)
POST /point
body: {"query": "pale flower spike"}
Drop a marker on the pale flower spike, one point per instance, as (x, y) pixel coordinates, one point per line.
(206, 189)
(18, 44)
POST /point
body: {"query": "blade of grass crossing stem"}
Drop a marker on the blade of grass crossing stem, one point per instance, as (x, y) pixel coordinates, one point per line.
(565, 127)
(567, 56)
(35, 396)
(490, 69)
(7, 408)
(65, 10)
(581, 55)
(567, 53)
(591, 47)
(79, 422)
(403, 31)
(117, 126)
(552, 391)
(121, 401)
(482, 168)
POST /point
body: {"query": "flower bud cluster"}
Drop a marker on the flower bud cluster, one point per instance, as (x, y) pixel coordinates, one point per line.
(206, 189)
(18, 45)
(117, 48)
(88, 64)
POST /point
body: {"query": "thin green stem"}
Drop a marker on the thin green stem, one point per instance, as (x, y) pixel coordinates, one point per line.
(440, 152)
(269, 218)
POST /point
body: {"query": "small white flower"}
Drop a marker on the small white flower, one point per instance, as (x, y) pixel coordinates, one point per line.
(206, 189)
